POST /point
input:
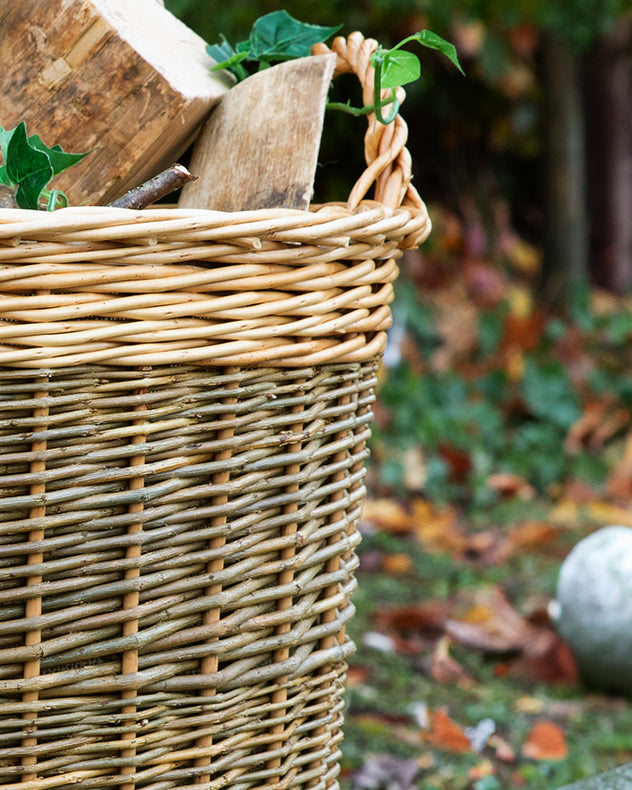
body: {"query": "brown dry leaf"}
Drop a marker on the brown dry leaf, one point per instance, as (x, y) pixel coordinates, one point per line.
(438, 528)
(357, 675)
(480, 770)
(446, 670)
(503, 750)
(523, 537)
(510, 486)
(456, 324)
(423, 619)
(546, 741)
(600, 421)
(397, 564)
(546, 659)
(607, 513)
(523, 330)
(620, 480)
(532, 535)
(446, 734)
(492, 625)
(387, 514)
(458, 462)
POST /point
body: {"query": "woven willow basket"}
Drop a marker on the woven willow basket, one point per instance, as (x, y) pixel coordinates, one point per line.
(185, 400)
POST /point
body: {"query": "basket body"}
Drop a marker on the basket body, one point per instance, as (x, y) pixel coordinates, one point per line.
(176, 563)
(184, 409)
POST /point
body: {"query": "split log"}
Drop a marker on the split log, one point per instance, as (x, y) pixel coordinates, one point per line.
(122, 77)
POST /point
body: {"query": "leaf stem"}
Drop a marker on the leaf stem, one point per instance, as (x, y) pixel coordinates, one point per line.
(378, 60)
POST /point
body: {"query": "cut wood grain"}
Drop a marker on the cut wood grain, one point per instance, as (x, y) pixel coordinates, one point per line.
(122, 77)
(259, 147)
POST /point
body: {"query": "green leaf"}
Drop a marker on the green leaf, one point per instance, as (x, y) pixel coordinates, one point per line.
(228, 58)
(431, 40)
(279, 36)
(4, 178)
(28, 167)
(399, 68)
(5, 137)
(60, 160)
(29, 164)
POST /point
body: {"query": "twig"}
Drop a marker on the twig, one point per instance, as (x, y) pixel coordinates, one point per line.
(156, 188)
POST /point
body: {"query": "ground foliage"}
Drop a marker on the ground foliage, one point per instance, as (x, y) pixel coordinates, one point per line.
(503, 435)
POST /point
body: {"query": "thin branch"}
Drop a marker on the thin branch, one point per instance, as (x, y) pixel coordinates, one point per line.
(156, 188)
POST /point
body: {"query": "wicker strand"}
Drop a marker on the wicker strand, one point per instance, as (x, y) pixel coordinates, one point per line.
(129, 660)
(33, 606)
(210, 663)
(388, 160)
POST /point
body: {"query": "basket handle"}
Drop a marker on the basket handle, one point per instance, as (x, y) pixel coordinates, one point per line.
(389, 163)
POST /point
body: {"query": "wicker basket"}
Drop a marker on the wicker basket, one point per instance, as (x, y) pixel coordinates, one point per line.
(185, 400)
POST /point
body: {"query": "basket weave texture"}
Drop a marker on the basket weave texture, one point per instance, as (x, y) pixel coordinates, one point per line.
(185, 399)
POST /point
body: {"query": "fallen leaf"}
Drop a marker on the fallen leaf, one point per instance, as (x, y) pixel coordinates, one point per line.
(510, 486)
(607, 513)
(357, 675)
(599, 422)
(397, 564)
(480, 770)
(492, 626)
(546, 741)
(446, 670)
(387, 514)
(523, 329)
(422, 619)
(532, 535)
(437, 527)
(445, 734)
(530, 705)
(546, 659)
(457, 461)
(620, 480)
(502, 749)
(524, 537)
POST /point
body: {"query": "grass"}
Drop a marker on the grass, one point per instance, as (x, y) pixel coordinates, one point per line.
(380, 714)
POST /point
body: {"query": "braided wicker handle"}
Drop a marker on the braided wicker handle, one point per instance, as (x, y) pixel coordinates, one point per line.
(388, 160)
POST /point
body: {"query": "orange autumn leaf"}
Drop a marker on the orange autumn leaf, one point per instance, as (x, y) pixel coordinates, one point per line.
(397, 564)
(358, 674)
(446, 734)
(426, 619)
(546, 741)
(387, 514)
(531, 535)
(438, 528)
(510, 486)
(481, 770)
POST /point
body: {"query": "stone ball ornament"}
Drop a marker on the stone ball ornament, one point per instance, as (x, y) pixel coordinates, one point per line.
(593, 608)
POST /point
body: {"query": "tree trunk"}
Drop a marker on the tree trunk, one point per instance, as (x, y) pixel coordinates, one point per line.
(565, 243)
(608, 104)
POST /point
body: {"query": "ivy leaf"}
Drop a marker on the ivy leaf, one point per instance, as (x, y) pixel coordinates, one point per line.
(431, 40)
(27, 167)
(228, 58)
(279, 36)
(4, 178)
(29, 164)
(60, 160)
(400, 67)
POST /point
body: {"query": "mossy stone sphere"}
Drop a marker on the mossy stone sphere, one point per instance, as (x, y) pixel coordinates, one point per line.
(594, 602)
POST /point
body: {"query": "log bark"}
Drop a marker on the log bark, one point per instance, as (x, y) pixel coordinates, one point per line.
(122, 77)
